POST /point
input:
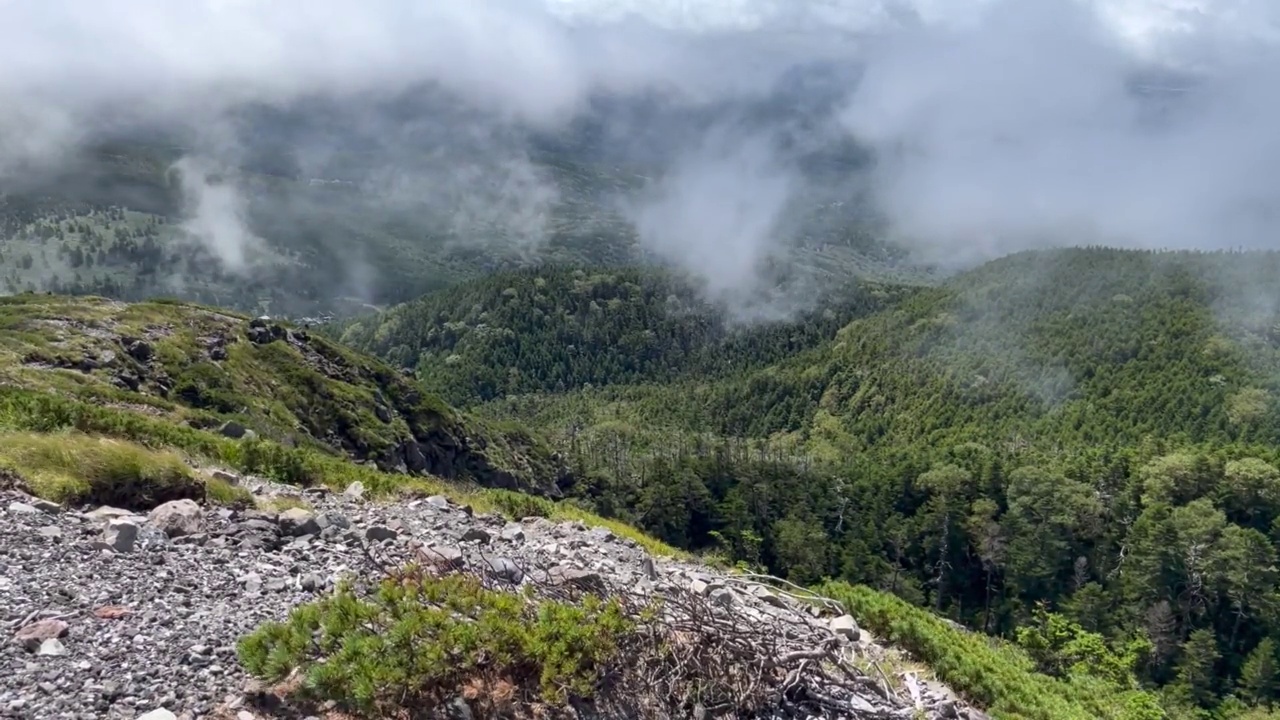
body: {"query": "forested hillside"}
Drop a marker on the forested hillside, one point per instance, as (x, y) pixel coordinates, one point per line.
(1089, 431)
(556, 329)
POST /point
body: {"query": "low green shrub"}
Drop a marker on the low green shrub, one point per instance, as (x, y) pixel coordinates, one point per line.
(992, 674)
(419, 640)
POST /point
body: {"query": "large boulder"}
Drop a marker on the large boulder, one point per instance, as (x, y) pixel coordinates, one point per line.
(177, 518)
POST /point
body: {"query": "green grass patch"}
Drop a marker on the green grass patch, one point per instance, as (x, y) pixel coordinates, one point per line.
(221, 492)
(74, 468)
(35, 414)
(280, 503)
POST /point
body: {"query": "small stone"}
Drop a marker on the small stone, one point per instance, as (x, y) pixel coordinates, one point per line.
(244, 715)
(252, 582)
(722, 597)
(378, 533)
(354, 491)
(475, 535)
(51, 647)
(699, 587)
(21, 508)
(158, 714)
(311, 582)
(513, 532)
(439, 501)
(767, 596)
(334, 520)
(649, 569)
(584, 579)
(603, 535)
(106, 512)
(53, 532)
(111, 612)
(449, 557)
(177, 518)
(845, 626)
(121, 534)
(226, 477)
(506, 569)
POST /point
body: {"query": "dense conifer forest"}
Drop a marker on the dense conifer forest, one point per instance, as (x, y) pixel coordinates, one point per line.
(1062, 448)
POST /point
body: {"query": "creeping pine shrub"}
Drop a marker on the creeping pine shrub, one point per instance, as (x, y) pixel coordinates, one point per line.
(419, 640)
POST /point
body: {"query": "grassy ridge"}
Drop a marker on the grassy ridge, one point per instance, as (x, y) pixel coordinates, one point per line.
(205, 369)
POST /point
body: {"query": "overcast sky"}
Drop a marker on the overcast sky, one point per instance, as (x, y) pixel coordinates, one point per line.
(998, 124)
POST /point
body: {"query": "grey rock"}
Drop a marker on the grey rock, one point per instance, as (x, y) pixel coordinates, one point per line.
(106, 512)
(158, 714)
(194, 539)
(584, 579)
(767, 596)
(414, 460)
(139, 350)
(233, 430)
(331, 519)
(845, 626)
(121, 534)
(252, 582)
(505, 569)
(378, 533)
(475, 534)
(649, 569)
(47, 506)
(53, 532)
(177, 518)
(443, 555)
(513, 532)
(297, 521)
(354, 491)
(439, 501)
(21, 508)
(226, 477)
(722, 597)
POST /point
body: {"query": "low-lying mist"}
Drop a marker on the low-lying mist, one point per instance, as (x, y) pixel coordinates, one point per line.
(979, 128)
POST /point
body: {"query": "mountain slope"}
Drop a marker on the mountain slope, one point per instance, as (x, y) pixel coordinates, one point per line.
(555, 329)
(207, 369)
(144, 379)
(1090, 433)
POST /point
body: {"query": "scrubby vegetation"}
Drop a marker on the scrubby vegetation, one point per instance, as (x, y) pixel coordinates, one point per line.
(416, 643)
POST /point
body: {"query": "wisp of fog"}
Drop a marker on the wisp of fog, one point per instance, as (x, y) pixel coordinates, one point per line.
(993, 125)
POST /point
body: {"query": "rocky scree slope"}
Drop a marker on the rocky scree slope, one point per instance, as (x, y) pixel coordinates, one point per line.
(212, 370)
(111, 613)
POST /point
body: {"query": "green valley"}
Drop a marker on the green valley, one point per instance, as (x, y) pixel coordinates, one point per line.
(1088, 433)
